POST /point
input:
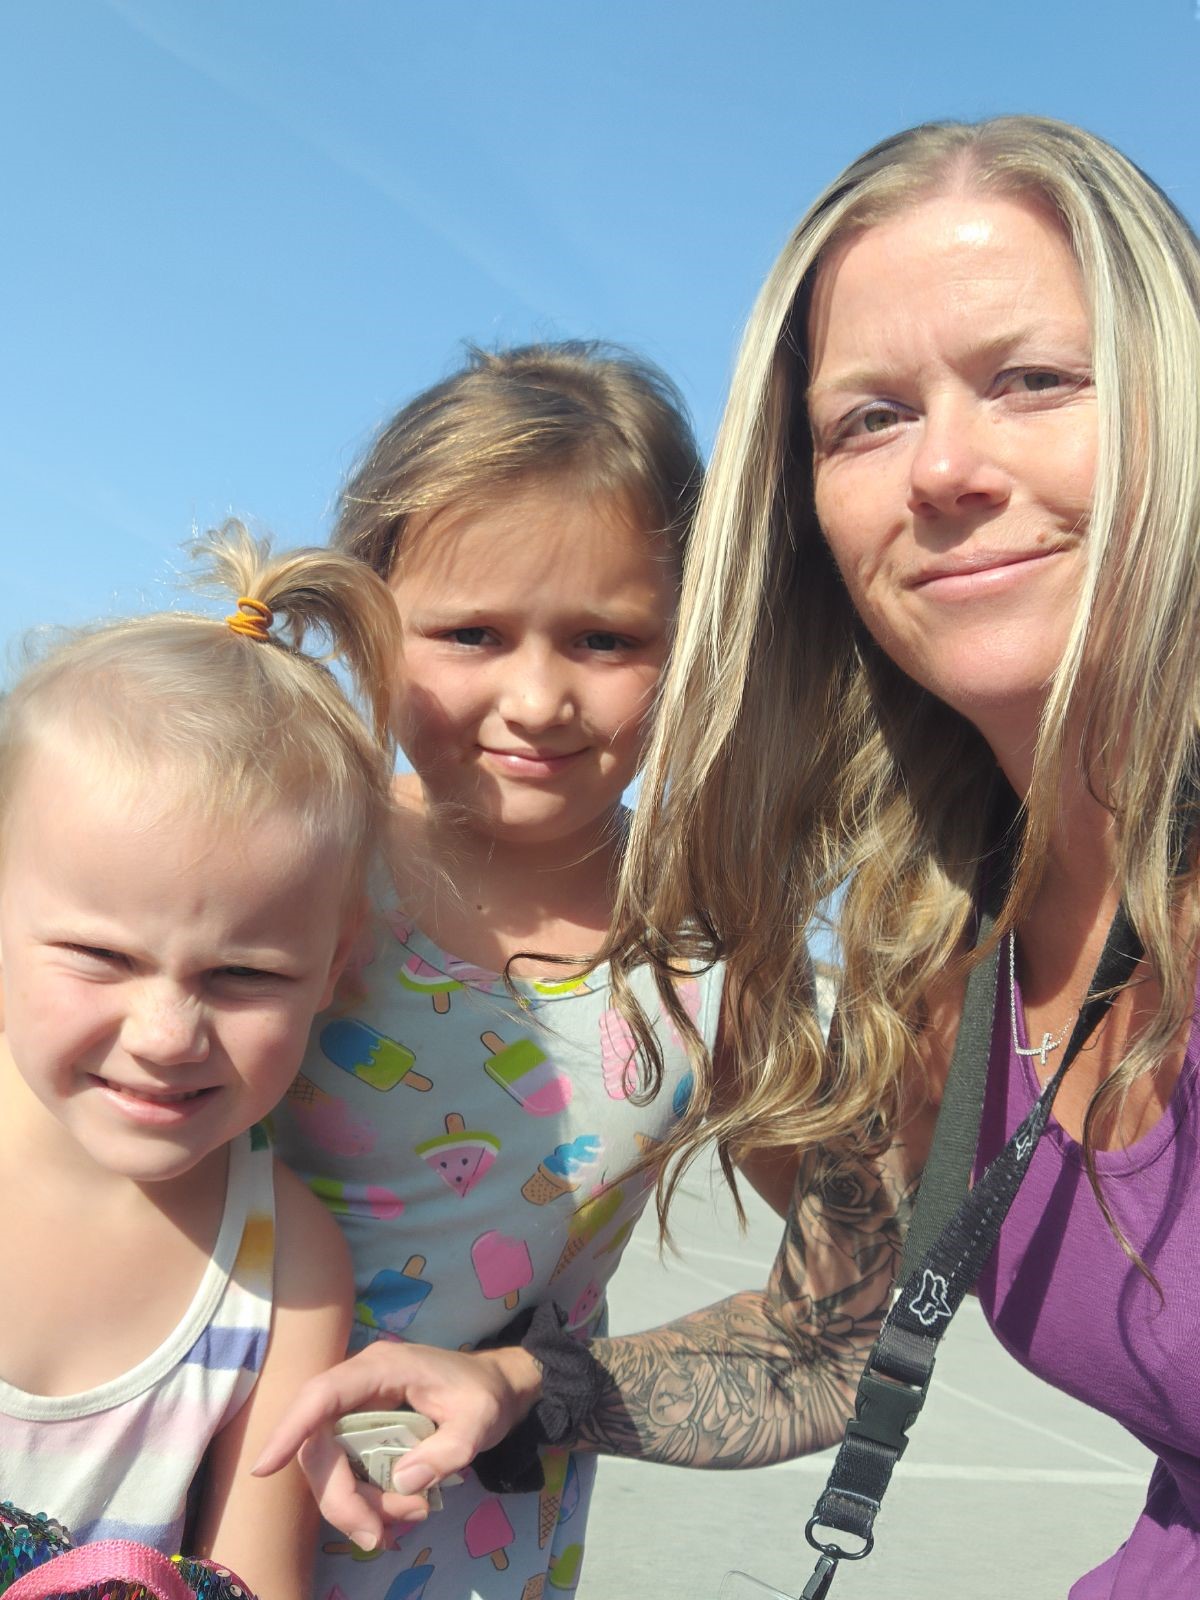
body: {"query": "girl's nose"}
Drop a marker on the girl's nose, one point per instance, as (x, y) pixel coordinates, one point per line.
(165, 1026)
(536, 693)
(955, 468)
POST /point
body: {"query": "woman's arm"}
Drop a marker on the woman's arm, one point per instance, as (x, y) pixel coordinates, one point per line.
(762, 1377)
(265, 1529)
(754, 1379)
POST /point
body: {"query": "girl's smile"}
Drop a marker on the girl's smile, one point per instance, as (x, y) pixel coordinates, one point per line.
(534, 632)
(160, 970)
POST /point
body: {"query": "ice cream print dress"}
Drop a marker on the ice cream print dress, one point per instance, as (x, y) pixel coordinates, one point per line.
(473, 1148)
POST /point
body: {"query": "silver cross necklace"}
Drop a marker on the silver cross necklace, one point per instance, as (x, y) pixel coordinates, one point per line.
(1049, 1041)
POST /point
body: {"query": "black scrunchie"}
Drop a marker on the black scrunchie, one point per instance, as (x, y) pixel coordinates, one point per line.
(572, 1382)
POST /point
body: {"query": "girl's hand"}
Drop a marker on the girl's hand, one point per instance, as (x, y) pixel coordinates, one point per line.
(474, 1398)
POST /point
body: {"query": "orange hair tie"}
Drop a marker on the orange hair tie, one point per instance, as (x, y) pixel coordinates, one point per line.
(252, 619)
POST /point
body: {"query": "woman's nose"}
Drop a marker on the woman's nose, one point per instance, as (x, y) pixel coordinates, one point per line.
(955, 467)
(165, 1026)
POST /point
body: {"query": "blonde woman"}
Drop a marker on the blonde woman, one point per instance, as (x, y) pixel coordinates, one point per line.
(946, 559)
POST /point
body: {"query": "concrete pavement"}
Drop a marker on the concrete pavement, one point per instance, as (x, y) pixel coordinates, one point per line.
(1008, 1488)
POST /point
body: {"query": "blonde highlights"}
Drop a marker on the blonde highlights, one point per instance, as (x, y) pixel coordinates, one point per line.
(791, 756)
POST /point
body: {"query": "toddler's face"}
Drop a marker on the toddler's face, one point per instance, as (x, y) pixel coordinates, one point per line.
(534, 634)
(160, 970)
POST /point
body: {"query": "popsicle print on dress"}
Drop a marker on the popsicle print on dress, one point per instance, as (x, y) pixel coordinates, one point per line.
(488, 1532)
(371, 1056)
(525, 1071)
(460, 1156)
(410, 1585)
(502, 1266)
(392, 1299)
(421, 978)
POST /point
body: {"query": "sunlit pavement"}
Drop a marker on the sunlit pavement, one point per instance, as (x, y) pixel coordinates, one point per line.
(1008, 1488)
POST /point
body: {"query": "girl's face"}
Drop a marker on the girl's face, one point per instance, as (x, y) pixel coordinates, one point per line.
(534, 633)
(954, 446)
(160, 971)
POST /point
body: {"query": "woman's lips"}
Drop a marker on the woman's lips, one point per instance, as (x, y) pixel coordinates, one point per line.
(984, 573)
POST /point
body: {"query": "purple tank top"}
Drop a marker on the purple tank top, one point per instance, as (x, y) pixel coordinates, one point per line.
(1066, 1302)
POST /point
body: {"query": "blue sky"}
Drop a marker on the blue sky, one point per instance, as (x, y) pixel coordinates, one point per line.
(238, 235)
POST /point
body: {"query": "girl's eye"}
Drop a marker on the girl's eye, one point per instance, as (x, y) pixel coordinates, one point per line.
(603, 641)
(248, 975)
(97, 953)
(468, 636)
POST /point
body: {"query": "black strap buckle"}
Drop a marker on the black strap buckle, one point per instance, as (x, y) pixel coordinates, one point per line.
(817, 1586)
(885, 1410)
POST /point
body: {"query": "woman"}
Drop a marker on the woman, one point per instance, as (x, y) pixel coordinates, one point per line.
(946, 557)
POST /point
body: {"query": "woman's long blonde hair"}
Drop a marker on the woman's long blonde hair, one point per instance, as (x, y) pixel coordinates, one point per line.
(791, 756)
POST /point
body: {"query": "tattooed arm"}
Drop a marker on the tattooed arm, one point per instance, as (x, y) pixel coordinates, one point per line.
(756, 1379)
(762, 1377)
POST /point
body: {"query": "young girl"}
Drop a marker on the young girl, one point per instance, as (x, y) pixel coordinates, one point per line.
(474, 1114)
(186, 807)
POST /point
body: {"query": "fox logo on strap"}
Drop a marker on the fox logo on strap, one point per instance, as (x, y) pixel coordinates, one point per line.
(929, 1303)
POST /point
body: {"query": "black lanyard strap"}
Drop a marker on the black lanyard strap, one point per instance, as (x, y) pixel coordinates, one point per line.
(896, 1378)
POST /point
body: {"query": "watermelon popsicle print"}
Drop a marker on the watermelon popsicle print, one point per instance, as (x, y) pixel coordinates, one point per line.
(502, 1266)
(421, 978)
(526, 1072)
(392, 1299)
(460, 1156)
(371, 1056)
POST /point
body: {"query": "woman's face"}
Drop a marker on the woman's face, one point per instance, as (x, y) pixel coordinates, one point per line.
(954, 445)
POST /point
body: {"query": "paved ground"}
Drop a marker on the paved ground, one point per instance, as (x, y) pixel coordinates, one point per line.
(1008, 1489)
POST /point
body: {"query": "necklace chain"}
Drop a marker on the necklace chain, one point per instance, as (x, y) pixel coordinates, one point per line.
(1049, 1041)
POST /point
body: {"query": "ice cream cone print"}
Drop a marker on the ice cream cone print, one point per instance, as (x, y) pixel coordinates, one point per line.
(563, 1170)
(524, 1071)
(327, 1122)
(554, 1475)
(595, 1213)
(534, 1587)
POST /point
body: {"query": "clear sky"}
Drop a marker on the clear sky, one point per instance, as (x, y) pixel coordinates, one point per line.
(236, 235)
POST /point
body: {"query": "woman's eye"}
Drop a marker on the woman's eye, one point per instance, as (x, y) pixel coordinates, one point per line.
(878, 418)
(1037, 381)
(867, 420)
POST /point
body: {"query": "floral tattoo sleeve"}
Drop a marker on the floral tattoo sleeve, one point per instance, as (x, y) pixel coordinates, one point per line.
(765, 1376)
